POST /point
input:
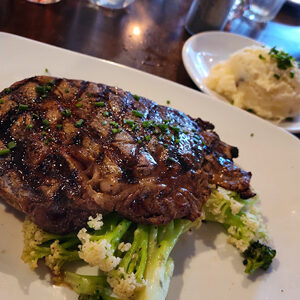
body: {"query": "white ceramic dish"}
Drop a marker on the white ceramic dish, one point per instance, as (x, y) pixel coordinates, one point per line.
(206, 267)
(203, 50)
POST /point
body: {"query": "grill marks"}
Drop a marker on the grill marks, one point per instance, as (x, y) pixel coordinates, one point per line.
(150, 174)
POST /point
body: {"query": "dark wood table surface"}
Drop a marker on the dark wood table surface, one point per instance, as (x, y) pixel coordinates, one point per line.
(148, 35)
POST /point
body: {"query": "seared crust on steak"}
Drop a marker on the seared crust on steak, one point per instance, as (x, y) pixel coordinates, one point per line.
(83, 148)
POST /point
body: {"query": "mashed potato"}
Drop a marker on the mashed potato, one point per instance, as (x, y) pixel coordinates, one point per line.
(264, 81)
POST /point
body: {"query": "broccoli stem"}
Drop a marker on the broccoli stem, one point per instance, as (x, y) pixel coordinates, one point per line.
(115, 234)
(159, 268)
(85, 284)
(140, 247)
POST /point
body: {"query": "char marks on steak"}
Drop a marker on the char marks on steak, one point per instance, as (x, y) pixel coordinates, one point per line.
(83, 148)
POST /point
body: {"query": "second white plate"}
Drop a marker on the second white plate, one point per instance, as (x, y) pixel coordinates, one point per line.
(203, 50)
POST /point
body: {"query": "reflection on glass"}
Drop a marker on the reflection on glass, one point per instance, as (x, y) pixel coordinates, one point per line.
(136, 30)
(112, 4)
(44, 1)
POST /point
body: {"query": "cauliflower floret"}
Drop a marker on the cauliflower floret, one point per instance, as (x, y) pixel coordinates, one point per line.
(124, 247)
(124, 285)
(97, 253)
(52, 261)
(33, 238)
(95, 223)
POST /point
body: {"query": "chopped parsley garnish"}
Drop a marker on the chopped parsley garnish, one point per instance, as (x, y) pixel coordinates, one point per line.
(177, 141)
(115, 124)
(46, 122)
(148, 124)
(277, 76)
(129, 122)
(59, 126)
(79, 123)
(137, 113)
(7, 90)
(105, 114)
(67, 91)
(47, 141)
(23, 107)
(29, 126)
(89, 95)
(168, 102)
(115, 130)
(1, 101)
(46, 70)
(163, 127)
(66, 113)
(11, 145)
(139, 140)
(79, 99)
(104, 123)
(175, 129)
(252, 134)
(4, 152)
(79, 105)
(99, 104)
(171, 159)
(260, 56)
(35, 116)
(147, 138)
(43, 90)
(44, 133)
(284, 60)
(292, 74)
(136, 97)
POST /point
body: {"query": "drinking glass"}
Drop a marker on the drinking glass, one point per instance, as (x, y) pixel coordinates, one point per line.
(44, 1)
(207, 15)
(112, 4)
(263, 10)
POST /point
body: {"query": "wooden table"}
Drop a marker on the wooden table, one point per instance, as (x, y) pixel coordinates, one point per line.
(148, 35)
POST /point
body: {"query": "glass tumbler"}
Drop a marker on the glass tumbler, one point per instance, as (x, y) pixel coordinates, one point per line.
(208, 15)
(44, 1)
(263, 10)
(112, 4)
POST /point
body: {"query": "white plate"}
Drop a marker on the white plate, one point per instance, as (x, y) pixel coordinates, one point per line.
(206, 267)
(201, 51)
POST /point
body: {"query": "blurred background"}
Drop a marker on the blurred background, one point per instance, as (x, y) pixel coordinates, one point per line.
(147, 35)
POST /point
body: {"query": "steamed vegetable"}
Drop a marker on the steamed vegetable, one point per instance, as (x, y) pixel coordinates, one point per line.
(134, 260)
(244, 225)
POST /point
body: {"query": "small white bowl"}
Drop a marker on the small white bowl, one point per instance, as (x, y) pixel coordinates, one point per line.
(201, 51)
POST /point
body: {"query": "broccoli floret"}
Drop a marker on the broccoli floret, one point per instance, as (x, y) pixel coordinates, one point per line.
(242, 221)
(258, 256)
(98, 247)
(39, 244)
(144, 271)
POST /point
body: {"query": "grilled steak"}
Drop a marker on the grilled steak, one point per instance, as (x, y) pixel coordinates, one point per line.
(71, 148)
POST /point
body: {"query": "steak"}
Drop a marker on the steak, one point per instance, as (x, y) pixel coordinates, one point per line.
(70, 149)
